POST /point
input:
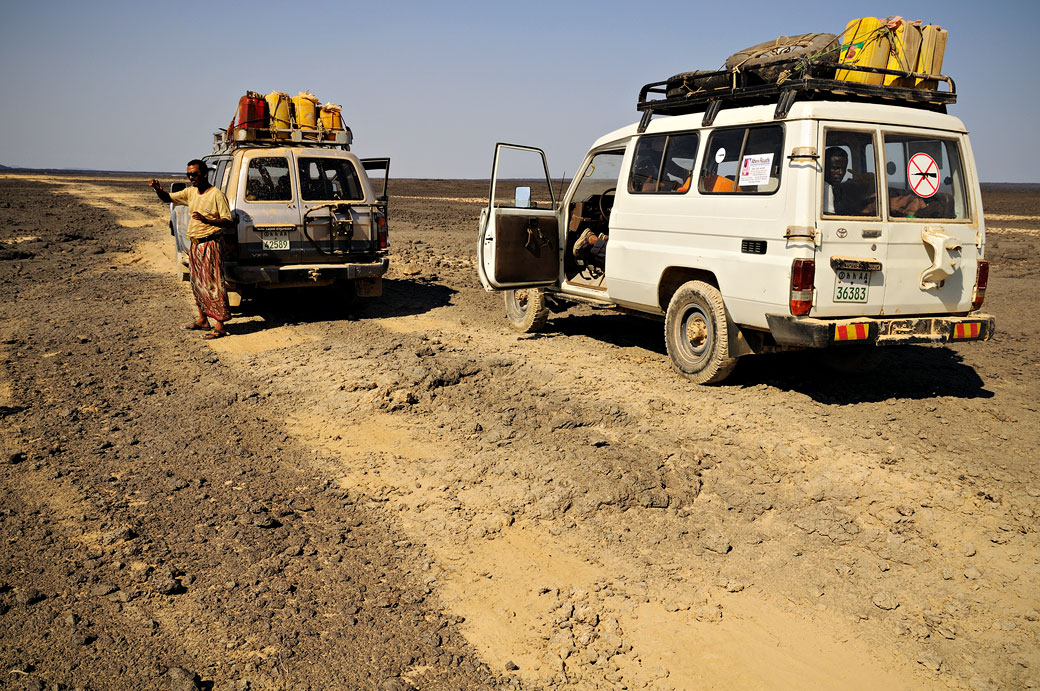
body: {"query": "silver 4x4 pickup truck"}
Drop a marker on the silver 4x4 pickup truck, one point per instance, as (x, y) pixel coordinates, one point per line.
(307, 215)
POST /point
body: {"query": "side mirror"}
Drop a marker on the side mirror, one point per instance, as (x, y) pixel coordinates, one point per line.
(522, 198)
(177, 186)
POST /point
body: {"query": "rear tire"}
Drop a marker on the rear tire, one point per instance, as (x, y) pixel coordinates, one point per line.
(526, 310)
(696, 333)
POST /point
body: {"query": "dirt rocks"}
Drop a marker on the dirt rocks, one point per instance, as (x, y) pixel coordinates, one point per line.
(410, 495)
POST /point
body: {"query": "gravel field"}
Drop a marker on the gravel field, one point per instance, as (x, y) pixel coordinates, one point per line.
(407, 494)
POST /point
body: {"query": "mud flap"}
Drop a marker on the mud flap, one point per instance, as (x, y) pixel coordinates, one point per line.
(738, 345)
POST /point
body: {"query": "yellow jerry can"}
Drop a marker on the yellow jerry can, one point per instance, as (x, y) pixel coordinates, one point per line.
(278, 108)
(864, 44)
(930, 59)
(331, 117)
(306, 107)
(905, 49)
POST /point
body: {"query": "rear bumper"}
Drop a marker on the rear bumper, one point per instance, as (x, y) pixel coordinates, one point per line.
(303, 274)
(821, 333)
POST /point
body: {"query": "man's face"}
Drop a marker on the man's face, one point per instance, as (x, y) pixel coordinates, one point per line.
(836, 167)
(195, 175)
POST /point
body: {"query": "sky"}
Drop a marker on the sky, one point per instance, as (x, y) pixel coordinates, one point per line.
(141, 86)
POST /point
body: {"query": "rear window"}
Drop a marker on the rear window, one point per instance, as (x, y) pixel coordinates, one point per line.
(267, 180)
(849, 174)
(329, 179)
(925, 178)
(743, 160)
(663, 163)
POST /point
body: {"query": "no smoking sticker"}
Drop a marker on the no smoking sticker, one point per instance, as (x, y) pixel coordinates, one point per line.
(923, 175)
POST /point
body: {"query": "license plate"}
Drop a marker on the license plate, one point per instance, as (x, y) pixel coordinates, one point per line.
(851, 286)
(275, 239)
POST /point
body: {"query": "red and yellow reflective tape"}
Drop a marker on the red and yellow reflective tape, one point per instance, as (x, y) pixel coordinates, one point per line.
(967, 330)
(851, 332)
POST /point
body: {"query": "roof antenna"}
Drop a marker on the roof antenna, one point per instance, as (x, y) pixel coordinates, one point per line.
(559, 194)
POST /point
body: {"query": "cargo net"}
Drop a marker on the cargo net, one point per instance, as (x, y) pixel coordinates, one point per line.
(890, 60)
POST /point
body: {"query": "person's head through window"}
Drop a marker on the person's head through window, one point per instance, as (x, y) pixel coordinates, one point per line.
(837, 164)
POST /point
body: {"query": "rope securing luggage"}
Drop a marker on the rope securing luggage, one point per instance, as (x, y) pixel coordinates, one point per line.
(887, 61)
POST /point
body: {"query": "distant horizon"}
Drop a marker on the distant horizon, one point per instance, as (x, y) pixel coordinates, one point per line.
(16, 169)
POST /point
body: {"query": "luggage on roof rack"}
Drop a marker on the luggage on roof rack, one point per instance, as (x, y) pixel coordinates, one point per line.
(883, 61)
(796, 81)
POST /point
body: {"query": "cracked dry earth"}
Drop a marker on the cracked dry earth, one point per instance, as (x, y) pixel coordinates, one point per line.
(405, 494)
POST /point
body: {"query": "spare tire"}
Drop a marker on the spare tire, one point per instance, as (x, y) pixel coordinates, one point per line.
(765, 62)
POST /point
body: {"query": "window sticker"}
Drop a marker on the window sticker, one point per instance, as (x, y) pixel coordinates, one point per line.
(755, 169)
(720, 155)
(923, 175)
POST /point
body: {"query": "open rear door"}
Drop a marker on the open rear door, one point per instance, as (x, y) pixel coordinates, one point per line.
(378, 172)
(519, 237)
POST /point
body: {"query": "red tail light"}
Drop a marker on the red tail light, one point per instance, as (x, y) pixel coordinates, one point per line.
(803, 275)
(381, 232)
(981, 280)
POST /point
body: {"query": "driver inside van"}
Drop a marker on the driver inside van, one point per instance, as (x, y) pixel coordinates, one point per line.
(843, 194)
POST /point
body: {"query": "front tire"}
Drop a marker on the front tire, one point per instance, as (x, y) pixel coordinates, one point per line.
(696, 333)
(526, 310)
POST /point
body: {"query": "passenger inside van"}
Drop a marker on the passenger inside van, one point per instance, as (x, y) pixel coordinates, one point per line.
(843, 193)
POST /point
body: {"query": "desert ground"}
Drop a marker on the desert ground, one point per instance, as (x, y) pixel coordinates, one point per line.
(407, 494)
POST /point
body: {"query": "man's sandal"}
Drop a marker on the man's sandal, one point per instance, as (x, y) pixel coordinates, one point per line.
(214, 334)
(195, 326)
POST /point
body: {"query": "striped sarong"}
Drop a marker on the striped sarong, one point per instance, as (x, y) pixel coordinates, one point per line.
(206, 262)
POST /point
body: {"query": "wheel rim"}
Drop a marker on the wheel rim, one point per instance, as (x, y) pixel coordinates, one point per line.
(695, 335)
(518, 304)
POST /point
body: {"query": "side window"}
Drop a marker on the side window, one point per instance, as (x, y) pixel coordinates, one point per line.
(925, 178)
(849, 174)
(216, 173)
(663, 163)
(323, 179)
(267, 180)
(225, 179)
(213, 168)
(743, 159)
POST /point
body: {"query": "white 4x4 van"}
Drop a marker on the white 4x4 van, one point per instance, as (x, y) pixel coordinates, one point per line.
(727, 222)
(307, 215)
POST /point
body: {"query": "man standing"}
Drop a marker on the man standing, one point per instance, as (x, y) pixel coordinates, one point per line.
(210, 214)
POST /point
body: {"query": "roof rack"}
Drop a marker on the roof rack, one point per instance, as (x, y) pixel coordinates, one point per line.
(745, 89)
(225, 141)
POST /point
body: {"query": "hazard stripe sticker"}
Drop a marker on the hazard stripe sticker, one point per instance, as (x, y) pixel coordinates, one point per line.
(967, 330)
(851, 332)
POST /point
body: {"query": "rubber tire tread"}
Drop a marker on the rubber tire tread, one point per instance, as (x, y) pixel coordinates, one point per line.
(718, 364)
(534, 317)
